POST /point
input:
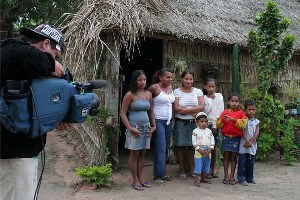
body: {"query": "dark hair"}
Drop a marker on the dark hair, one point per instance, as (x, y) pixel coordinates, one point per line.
(201, 116)
(132, 86)
(207, 80)
(37, 38)
(234, 94)
(163, 71)
(34, 39)
(249, 102)
(155, 77)
(185, 72)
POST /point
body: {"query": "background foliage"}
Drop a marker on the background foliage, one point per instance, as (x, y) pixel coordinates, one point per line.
(272, 49)
(17, 13)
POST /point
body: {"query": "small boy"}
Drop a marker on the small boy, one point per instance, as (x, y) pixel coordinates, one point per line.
(248, 147)
(203, 141)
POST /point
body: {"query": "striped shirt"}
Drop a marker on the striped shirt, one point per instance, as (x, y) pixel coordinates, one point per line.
(187, 100)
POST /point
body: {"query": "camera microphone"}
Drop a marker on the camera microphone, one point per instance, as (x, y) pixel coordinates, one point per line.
(96, 84)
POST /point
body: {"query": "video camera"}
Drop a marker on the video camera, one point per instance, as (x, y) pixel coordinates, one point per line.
(36, 107)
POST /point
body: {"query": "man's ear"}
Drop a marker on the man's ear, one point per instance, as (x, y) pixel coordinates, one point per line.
(46, 44)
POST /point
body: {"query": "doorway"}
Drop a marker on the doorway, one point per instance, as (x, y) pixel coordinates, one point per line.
(148, 56)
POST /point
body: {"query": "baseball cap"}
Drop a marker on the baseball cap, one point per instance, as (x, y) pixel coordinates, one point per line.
(201, 114)
(48, 31)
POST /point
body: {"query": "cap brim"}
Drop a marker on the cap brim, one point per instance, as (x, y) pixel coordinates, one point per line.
(31, 33)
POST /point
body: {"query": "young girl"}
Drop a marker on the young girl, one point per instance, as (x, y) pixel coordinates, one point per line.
(138, 103)
(214, 106)
(188, 102)
(248, 146)
(203, 141)
(163, 98)
(232, 123)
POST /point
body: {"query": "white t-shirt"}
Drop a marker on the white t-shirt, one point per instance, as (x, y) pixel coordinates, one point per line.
(187, 100)
(214, 108)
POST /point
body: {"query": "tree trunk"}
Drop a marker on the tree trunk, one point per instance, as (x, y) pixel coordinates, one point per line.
(112, 89)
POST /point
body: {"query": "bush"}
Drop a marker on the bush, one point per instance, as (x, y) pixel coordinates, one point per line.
(98, 175)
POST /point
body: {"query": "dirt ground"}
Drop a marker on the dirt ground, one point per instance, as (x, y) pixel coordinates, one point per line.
(274, 181)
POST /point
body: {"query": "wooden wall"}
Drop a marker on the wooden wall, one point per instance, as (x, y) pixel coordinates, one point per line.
(220, 56)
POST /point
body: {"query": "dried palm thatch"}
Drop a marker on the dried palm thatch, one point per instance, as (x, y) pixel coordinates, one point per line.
(84, 44)
(214, 21)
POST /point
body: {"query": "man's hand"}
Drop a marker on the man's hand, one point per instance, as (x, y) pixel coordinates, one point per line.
(59, 70)
(63, 127)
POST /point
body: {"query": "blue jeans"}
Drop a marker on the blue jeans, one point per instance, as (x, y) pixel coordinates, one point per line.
(246, 167)
(162, 142)
(217, 136)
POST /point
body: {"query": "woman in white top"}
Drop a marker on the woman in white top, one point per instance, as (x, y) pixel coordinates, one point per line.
(188, 102)
(163, 98)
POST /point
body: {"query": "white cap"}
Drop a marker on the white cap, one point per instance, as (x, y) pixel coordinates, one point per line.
(201, 113)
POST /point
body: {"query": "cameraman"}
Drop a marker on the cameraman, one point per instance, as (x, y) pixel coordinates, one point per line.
(22, 60)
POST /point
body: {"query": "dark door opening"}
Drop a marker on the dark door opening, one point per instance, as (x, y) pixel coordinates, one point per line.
(148, 56)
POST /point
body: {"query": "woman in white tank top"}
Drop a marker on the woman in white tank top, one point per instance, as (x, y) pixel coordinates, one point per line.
(163, 98)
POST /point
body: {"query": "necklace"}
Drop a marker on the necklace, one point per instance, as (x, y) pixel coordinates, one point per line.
(164, 89)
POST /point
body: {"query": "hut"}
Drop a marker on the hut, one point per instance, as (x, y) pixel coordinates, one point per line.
(109, 39)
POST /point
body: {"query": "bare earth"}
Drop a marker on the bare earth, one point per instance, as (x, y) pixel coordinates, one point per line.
(274, 181)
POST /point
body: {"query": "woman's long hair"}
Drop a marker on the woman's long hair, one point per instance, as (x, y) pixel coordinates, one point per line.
(133, 86)
(206, 82)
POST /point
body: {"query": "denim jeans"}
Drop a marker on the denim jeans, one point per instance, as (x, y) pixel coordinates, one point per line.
(246, 167)
(217, 136)
(162, 142)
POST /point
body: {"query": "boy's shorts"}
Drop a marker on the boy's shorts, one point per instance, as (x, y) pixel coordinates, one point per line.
(202, 164)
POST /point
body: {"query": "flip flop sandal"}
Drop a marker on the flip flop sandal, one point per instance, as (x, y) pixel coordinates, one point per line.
(226, 182)
(146, 184)
(166, 178)
(215, 175)
(208, 176)
(206, 181)
(158, 182)
(233, 182)
(198, 184)
(182, 176)
(137, 187)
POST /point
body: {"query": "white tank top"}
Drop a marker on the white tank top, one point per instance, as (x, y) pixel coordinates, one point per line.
(162, 106)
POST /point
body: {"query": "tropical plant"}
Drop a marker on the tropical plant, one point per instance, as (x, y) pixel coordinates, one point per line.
(287, 140)
(271, 50)
(98, 175)
(268, 47)
(178, 65)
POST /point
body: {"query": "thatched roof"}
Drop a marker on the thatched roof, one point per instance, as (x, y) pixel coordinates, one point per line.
(213, 21)
(219, 21)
